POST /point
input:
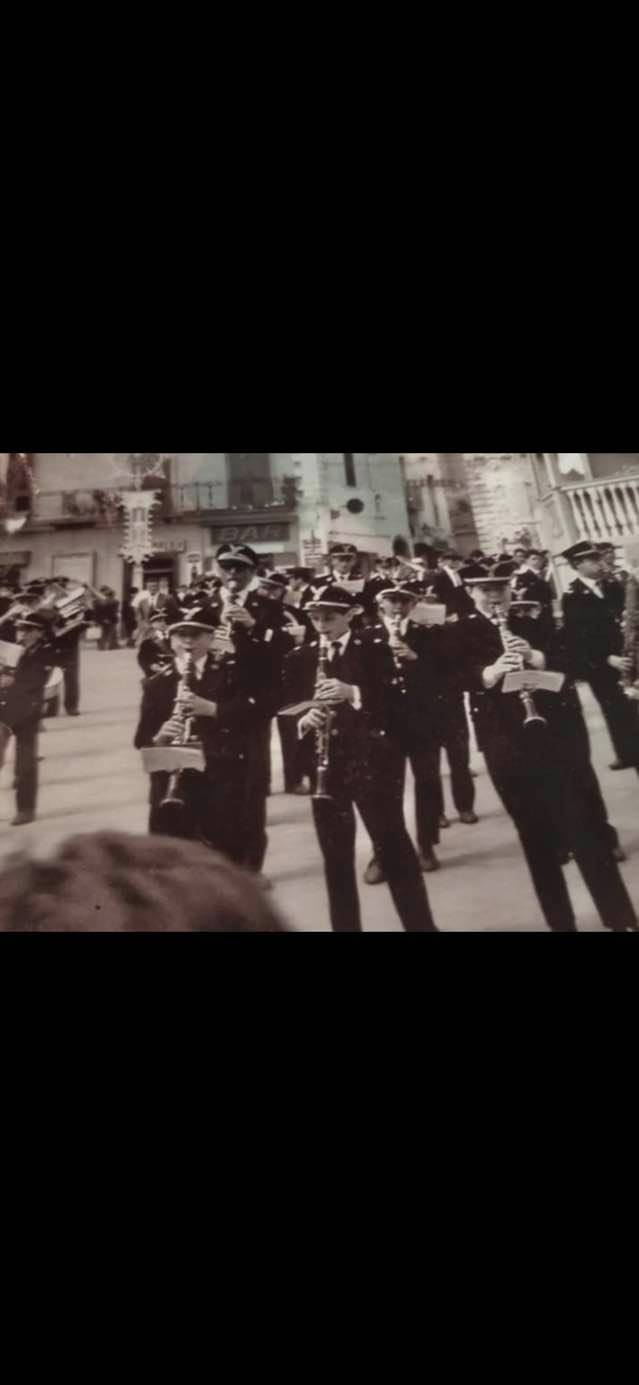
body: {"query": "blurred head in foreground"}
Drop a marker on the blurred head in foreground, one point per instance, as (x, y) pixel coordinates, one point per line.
(109, 882)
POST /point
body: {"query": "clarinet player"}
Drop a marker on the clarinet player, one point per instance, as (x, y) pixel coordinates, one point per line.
(224, 701)
(362, 764)
(537, 754)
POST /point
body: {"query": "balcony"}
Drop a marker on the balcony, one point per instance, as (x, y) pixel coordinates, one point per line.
(604, 511)
(196, 502)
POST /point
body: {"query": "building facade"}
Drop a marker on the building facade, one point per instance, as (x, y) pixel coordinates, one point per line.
(586, 495)
(439, 501)
(63, 513)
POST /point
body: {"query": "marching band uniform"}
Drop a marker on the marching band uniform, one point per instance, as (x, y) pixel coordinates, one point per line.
(418, 704)
(221, 802)
(155, 651)
(539, 773)
(448, 587)
(265, 632)
(20, 712)
(593, 632)
(366, 770)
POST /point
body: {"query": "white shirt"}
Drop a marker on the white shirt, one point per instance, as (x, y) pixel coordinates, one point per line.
(342, 642)
(239, 599)
(454, 577)
(181, 665)
(593, 585)
(388, 622)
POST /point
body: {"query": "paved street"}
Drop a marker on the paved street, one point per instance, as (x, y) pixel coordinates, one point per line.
(91, 779)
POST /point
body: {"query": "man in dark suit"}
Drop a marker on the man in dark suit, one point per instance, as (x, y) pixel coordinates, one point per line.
(226, 704)
(594, 646)
(448, 585)
(21, 696)
(418, 703)
(255, 621)
(366, 765)
(300, 591)
(529, 584)
(540, 767)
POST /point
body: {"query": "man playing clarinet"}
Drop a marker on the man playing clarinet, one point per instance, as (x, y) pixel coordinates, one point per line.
(537, 753)
(362, 764)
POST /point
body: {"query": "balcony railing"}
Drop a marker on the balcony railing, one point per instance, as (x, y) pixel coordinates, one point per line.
(605, 510)
(102, 507)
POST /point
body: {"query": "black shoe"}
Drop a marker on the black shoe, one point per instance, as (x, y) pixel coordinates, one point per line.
(469, 818)
(624, 764)
(300, 790)
(21, 819)
(444, 821)
(73, 714)
(428, 862)
(374, 875)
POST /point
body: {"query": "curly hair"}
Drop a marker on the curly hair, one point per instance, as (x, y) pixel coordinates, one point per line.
(109, 882)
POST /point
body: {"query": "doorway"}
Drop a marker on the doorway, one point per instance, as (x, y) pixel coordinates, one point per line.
(159, 566)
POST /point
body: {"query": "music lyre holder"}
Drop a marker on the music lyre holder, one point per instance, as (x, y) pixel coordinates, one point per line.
(533, 680)
(168, 759)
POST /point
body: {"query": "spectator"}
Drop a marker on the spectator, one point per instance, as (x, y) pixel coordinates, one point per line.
(107, 615)
(108, 882)
(129, 618)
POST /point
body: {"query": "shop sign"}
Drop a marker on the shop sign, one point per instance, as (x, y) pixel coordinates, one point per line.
(250, 533)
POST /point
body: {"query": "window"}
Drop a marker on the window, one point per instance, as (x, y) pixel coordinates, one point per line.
(349, 469)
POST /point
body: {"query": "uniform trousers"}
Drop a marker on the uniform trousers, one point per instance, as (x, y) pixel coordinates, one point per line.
(424, 762)
(377, 791)
(455, 739)
(258, 788)
(620, 713)
(214, 812)
(109, 636)
(544, 802)
(70, 665)
(26, 768)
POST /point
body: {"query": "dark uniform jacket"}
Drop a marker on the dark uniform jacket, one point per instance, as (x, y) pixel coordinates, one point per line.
(592, 631)
(457, 600)
(235, 684)
(152, 652)
(499, 717)
(21, 704)
(365, 665)
(420, 690)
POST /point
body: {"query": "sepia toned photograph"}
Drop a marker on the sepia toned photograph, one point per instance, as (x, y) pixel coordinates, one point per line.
(319, 692)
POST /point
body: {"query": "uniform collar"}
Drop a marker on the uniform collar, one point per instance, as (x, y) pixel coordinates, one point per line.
(592, 585)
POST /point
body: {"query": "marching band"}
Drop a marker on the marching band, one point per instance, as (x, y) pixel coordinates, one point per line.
(365, 675)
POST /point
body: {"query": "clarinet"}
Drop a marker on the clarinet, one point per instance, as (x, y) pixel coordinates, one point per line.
(324, 733)
(507, 638)
(174, 797)
(630, 679)
(395, 643)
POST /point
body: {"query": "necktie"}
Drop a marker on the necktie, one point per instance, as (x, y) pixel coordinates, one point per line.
(335, 651)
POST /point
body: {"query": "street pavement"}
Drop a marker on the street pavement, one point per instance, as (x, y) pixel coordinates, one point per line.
(92, 780)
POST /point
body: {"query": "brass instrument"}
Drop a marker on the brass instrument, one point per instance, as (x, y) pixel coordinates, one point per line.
(324, 733)
(508, 640)
(18, 609)
(630, 677)
(70, 610)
